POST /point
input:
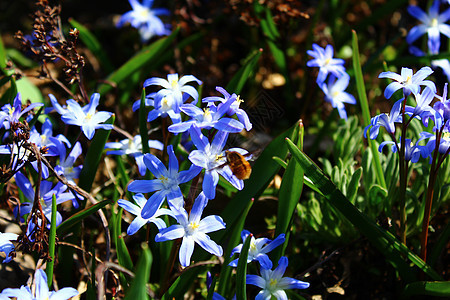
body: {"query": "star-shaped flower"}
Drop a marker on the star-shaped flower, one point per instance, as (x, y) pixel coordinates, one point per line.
(136, 210)
(145, 19)
(258, 249)
(273, 283)
(193, 230)
(323, 58)
(166, 183)
(433, 24)
(409, 82)
(86, 117)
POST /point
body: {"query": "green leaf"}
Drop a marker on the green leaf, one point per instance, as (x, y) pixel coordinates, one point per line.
(51, 244)
(2, 56)
(353, 185)
(211, 288)
(235, 238)
(145, 58)
(28, 90)
(18, 58)
(122, 252)
(241, 271)
(93, 157)
(246, 71)
(93, 44)
(74, 219)
(281, 162)
(360, 86)
(290, 191)
(384, 241)
(143, 124)
(138, 288)
(427, 288)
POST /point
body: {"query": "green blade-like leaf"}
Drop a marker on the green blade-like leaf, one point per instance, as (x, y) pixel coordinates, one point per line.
(138, 288)
(122, 251)
(427, 288)
(290, 192)
(246, 71)
(2, 56)
(93, 157)
(264, 170)
(385, 242)
(225, 272)
(148, 56)
(360, 86)
(211, 288)
(241, 273)
(143, 124)
(93, 44)
(74, 219)
(51, 244)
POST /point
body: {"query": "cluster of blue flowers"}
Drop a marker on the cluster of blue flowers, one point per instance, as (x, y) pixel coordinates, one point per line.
(271, 282)
(338, 79)
(439, 113)
(175, 98)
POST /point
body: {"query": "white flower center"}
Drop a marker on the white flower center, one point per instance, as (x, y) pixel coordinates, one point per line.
(174, 84)
(166, 104)
(434, 22)
(207, 116)
(192, 227)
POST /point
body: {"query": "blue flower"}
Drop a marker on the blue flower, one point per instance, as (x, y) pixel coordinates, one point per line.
(175, 88)
(234, 107)
(12, 113)
(145, 19)
(334, 93)
(412, 152)
(423, 101)
(212, 158)
(65, 166)
(433, 25)
(133, 148)
(386, 120)
(47, 190)
(136, 210)
(407, 81)
(6, 246)
(166, 183)
(87, 118)
(165, 108)
(193, 230)
(323, 58)
(210, 117)
(273, 283)
(41, 291)
(258, 249)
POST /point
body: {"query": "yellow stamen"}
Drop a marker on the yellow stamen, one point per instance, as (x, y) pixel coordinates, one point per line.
(194, 225)
(273, 282)
(434, 22)
(88, 116)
